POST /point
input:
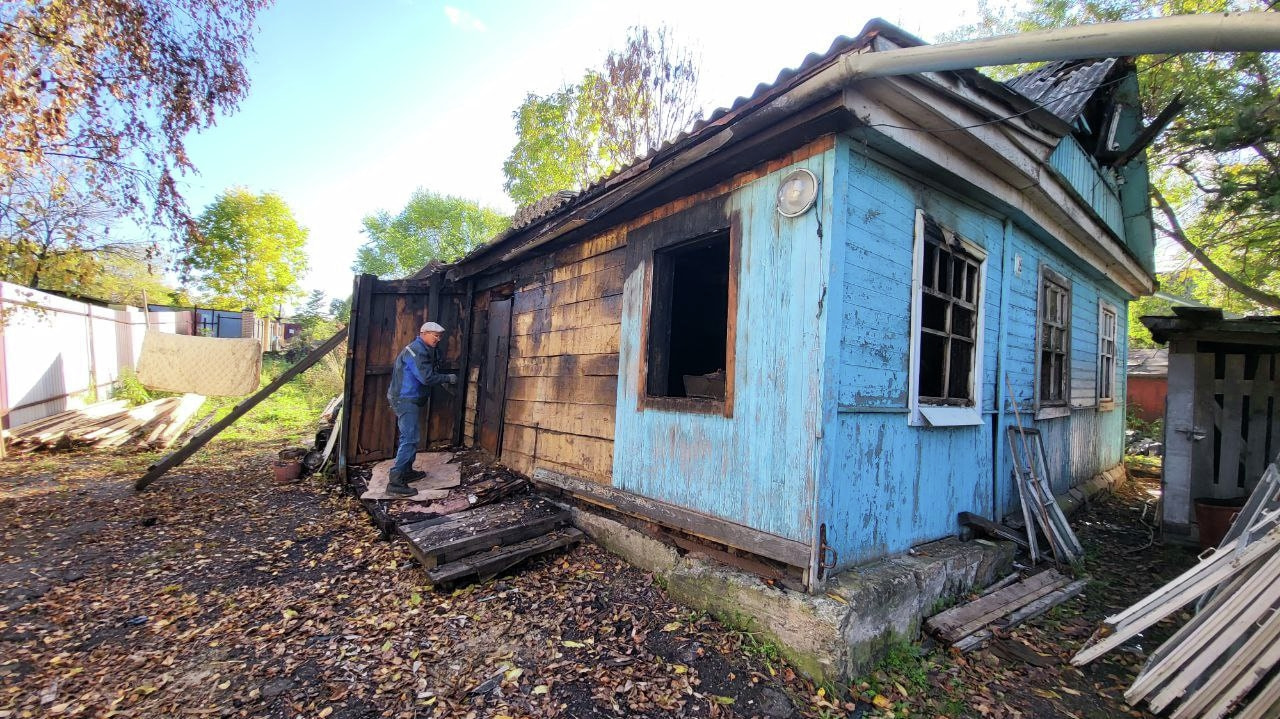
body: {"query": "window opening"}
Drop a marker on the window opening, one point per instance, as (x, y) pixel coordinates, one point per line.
(689, 319)
(949, 303)
(1055, 325)
(1107, 354)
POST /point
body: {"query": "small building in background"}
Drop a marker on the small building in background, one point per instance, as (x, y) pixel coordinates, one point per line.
(1222, 422)
(1148, 382)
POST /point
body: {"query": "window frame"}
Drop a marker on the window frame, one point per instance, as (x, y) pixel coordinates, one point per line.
(1046, 409)
(644, 245)
(923, 413)
(1106, 402)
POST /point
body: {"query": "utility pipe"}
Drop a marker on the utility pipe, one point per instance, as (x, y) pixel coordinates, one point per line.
(1218, 32)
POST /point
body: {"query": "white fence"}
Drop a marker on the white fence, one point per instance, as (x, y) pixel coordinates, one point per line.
(58, 354)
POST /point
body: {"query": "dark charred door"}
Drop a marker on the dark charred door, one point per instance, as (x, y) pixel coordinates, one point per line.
(385, 316)
(493, 376)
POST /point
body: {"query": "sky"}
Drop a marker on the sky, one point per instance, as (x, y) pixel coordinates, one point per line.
(353, 106)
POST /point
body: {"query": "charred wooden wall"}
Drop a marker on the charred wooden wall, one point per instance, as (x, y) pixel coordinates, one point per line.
(563, 370)
(385, 316)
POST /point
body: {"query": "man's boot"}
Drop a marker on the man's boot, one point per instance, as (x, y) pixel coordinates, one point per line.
(397, 486)
(414, 475)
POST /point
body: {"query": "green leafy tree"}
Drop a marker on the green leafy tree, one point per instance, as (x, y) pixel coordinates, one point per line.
(314, 320)
(252, 256)
(340, 309)
(642, 96)
(115, 88)
(431, 227)
(1216, 170)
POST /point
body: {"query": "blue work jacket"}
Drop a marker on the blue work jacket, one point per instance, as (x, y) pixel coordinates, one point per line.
(414, 373)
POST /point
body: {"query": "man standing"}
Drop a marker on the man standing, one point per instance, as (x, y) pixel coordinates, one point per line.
(412, 377)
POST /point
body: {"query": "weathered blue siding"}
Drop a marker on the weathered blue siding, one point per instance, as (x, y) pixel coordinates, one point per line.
(888, 485)
(758, 467)
(1090, 182)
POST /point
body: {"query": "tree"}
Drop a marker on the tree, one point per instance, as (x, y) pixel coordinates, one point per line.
(314, 322)
(340, 309)
(430, 227)
(643, 95)
(53, 229)
(1216, 179)
(252, 256)
(115, 87)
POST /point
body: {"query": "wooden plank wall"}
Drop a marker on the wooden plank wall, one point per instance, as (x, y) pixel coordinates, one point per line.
(563, 370)
(475, 346)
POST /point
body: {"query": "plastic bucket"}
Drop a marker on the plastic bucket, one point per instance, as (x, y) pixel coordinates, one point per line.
(1214, 516)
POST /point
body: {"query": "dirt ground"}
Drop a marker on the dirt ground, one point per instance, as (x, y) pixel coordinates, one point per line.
(218, 593)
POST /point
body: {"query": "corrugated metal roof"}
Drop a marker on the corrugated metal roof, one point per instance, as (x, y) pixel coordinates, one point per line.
(565, 201)
(1148, 362)
(1065, 86)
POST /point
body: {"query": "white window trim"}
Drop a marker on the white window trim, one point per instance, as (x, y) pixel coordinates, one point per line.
(1064, 409)
(1107, 403)
(934, 415)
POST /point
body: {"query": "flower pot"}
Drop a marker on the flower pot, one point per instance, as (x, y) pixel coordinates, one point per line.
(286, 471)
(1214, 517)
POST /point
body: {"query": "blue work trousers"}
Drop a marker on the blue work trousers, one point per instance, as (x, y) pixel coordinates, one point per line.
(407, 422)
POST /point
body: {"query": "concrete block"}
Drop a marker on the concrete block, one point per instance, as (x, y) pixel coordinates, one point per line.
(837, 634)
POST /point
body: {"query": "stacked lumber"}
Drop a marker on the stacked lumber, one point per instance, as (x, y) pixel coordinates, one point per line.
(106, 425)
(1226, 657)
(1007, 604)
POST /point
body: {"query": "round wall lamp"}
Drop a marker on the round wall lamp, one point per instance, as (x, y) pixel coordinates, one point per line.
(797, 193)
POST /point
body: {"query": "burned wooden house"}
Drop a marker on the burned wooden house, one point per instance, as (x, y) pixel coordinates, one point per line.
(796, 333)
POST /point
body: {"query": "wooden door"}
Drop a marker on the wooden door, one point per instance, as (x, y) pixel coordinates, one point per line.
(493, 377)
(385, 316)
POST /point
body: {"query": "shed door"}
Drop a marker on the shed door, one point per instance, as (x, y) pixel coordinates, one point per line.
(385, 316)
(493, 376)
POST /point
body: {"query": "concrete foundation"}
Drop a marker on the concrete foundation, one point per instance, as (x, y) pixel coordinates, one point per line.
(836, 635)
(842, 632)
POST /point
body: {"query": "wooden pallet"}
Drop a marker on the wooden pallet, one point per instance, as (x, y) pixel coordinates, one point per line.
(488, 539)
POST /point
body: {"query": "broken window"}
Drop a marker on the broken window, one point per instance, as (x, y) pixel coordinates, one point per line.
(948, 326)
(949, 296)
(1106, 353)
(689, 319)
(1054, 338)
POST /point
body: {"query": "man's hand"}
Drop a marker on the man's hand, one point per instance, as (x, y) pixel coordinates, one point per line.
(451, 378)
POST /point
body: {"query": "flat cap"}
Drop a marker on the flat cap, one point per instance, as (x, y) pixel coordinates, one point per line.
(430, 327)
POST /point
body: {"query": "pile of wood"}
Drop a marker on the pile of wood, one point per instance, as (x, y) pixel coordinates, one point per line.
(1004, 605)
(1226, 657)
(106, 425)
(483, 542)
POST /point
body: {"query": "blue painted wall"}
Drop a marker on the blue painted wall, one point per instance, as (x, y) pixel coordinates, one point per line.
(888, 485)
(756, 468)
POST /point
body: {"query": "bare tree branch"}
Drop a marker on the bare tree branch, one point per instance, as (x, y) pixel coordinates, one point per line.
(1177, 234)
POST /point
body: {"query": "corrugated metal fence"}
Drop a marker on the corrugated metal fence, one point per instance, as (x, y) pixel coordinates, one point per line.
(57, 354)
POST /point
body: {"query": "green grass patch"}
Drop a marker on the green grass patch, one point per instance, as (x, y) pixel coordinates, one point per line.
(291, 413)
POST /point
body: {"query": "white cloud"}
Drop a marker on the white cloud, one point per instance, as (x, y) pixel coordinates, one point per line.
(463, 19)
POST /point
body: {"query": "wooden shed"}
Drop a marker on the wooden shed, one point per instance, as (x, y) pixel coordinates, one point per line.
(1222, 422)
(801, 387)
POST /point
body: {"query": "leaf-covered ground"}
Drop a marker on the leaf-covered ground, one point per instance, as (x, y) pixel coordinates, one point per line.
(221, 594)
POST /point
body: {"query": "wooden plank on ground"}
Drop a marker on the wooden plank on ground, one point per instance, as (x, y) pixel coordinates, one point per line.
(489, 563)
(951, 624)
(505, 522)
(1239, 674)
(991, 529)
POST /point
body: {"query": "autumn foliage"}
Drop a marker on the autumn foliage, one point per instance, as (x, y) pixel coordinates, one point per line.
(116, 86)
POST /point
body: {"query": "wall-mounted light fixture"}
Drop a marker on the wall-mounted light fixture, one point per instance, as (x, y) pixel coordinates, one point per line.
(797, 193)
